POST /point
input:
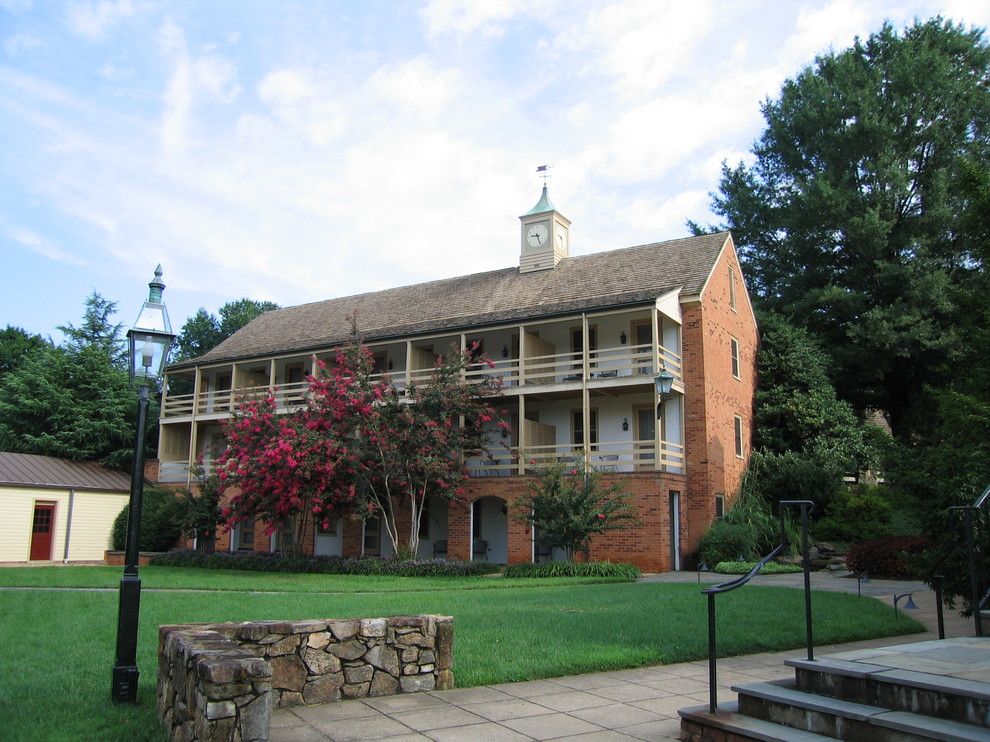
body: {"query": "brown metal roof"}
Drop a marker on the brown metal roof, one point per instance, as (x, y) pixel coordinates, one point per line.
(613, 278)
(29, 470)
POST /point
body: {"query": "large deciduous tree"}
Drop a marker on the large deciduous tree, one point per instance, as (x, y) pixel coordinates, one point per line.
(359, 446)
(203, 331)
(851, 218)
(16, 345)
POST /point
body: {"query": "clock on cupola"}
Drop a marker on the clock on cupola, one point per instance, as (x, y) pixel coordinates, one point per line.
(545, 236)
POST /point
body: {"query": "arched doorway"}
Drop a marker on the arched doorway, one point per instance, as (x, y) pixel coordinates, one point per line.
(490, 530)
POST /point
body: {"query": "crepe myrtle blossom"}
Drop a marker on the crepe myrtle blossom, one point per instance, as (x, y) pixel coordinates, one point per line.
(359, 446)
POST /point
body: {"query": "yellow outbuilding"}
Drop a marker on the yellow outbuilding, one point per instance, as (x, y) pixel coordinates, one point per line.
(57, 510)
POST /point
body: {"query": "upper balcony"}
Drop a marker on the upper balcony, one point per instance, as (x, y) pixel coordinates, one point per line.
(610, 349)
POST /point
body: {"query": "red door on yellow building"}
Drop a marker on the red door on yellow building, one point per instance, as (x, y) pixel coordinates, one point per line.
(42, 531)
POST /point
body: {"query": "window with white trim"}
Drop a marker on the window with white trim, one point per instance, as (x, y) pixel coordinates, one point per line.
(739, 436)
(734, 345)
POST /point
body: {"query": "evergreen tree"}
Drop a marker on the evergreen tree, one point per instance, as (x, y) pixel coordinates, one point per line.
(16, 346)
(98, 331)
(851, 219)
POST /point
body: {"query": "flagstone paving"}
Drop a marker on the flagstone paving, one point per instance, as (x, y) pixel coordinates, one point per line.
(637, 704)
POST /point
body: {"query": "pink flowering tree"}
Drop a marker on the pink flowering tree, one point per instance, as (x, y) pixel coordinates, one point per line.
(360, 446)
(568, 505)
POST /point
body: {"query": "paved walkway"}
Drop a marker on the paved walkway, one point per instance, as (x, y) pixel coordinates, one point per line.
(638, 704)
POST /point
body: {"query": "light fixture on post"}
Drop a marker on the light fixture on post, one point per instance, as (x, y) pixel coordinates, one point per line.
(149, 342)
(663, 382)
(909, 605)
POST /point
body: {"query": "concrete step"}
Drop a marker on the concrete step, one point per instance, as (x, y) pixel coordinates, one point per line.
(782, 703)
(946, 697)
(727, 725)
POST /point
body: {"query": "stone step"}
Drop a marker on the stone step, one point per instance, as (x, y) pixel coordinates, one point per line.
(955, 699)
(727, 724)
(782, 703)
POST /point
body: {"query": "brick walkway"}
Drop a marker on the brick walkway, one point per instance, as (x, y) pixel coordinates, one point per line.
(638, 704)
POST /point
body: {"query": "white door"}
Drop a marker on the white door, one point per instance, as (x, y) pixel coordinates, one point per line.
(330, 541)
(675, 530)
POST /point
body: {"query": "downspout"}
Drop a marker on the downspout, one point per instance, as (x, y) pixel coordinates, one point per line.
(68, 526)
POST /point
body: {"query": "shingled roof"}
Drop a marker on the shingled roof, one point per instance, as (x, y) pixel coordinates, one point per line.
(614, 278)
(29, 470)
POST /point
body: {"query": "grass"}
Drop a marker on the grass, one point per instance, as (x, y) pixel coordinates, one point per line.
(58, 645)
(193, 578)
(770, 568)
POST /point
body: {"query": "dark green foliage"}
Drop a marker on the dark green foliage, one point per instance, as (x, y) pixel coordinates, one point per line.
(574, 569)
(854, 221)
(855, 514)
(16, 346)
(892, 557)
(797, 410)
(161, 526)
(73, 405)
(264, 562)
(98, 331)
(743, 568)
(199, 514)
(726, 542)
(568, 506)
(792, 476)
(203, 331)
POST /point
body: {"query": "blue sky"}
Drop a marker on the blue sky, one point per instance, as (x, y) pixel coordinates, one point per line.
(300, 151)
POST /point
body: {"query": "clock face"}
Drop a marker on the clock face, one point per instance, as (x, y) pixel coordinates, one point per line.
(537, 235)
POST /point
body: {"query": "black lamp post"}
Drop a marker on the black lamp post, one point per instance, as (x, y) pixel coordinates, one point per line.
(664, 382)
(150, 340)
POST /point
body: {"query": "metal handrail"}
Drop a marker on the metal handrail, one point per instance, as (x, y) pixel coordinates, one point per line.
(974, 581)
(725, 587)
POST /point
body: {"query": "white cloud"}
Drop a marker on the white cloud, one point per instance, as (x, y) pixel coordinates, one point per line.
(820, 29)
(467, 17)
(91, 20)
(416, 86)
(42, 246)
(20, 43)
(641, 44)
(206, 77)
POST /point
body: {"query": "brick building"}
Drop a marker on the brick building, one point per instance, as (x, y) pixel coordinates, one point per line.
(577, 342)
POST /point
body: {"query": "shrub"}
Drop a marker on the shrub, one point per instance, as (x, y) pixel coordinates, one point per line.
(574, 569)
(161, 524)
(726, 542)
(264, 562)
(888, 557)
(742, 568)
(855, 514)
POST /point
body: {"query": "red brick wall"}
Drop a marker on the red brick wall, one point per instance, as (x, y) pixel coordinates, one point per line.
(713, 397)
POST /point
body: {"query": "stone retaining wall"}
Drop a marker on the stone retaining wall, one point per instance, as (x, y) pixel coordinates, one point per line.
(220, 681)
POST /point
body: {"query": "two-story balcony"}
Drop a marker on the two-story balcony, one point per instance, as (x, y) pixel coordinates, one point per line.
(558, 377)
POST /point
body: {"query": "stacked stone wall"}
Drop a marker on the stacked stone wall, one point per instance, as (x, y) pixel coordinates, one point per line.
(220, 681)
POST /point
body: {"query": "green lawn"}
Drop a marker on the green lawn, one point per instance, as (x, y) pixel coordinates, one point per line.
(192, 578)
(58, 646)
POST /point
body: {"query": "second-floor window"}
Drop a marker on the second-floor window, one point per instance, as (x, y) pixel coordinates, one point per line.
(734, 344)
(739, 436)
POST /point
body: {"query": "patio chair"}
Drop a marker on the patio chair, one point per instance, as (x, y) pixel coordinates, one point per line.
(479, 549)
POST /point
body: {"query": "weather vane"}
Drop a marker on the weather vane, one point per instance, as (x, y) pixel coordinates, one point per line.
(543, 171)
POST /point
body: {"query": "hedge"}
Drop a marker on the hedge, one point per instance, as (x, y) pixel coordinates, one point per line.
(264, 562)
(574, 569)
(743, 568)
(889, 557)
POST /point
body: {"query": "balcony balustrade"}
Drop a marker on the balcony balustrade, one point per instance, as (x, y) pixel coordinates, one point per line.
(616, 456)
(623, 363)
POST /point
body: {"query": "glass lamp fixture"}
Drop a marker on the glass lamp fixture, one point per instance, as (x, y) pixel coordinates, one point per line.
(151, 337)
(663, 381)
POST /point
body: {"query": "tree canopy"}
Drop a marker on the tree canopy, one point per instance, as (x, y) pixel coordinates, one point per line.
(98, 330)
(852, 219)
(16, 345)
(203, 331)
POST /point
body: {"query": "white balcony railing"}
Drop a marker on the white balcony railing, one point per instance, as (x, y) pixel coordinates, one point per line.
(620, 362)
(616, 456)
